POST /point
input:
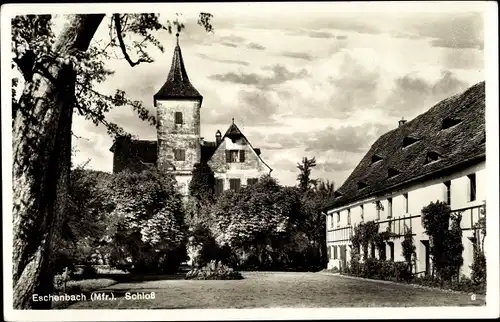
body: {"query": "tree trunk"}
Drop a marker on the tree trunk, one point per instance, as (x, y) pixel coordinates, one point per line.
(40, 163)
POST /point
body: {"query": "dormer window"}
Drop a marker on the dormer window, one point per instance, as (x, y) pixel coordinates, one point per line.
(392, 172)
(362, 185)
(337, 194)
(407, 141)
(449, 122)
(376, 158)
(432, 157)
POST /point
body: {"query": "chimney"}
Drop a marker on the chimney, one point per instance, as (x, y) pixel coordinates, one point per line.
(401, 122)
(217, 137)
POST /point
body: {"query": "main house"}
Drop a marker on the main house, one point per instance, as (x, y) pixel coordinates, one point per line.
(439, 155)
(180, 147)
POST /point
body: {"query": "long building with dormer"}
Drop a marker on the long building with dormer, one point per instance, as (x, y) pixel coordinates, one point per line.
(180, 146)
(439, 155)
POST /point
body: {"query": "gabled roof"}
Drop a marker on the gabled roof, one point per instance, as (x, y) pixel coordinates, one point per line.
(177, 85)
(460, 144)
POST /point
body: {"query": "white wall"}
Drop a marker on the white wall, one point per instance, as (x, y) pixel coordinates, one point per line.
(419, 196)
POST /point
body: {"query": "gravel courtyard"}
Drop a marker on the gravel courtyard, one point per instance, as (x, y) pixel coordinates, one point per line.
(272, 290)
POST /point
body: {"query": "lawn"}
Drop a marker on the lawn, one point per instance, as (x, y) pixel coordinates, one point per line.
(274, 290)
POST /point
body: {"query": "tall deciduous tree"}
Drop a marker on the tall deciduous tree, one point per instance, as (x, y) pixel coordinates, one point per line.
(59, 74)
(304, 177)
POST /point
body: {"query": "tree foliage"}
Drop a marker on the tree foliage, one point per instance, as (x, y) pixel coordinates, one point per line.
(445, 244)
(59, 74)
(149, 215)
(304, 177)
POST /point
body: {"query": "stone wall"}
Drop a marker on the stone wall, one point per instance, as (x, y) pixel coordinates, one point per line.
(185, 136)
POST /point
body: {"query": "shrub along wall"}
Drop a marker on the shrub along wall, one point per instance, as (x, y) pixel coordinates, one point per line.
(446, 249)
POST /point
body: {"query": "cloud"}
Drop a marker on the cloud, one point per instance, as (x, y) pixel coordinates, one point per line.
(413, 94)
(320, 34)
(458, 43)
(256, 46)
(233, 38)
(229, 44)
(227, 61)
(450, 30)
(348, 138)
(336, 165)
(253, 107)
(280, 74)
(297, 55)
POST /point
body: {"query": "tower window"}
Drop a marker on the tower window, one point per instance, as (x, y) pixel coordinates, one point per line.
(179, 154)
(178, 118)
(447, 194)
(235, 184)
(472, 186)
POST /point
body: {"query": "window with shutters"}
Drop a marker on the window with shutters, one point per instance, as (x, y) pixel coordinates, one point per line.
(235, 184)
(179, 154)
(472, 186)
(178, 118)
(219, 186)
(251, 181)
(233, 156)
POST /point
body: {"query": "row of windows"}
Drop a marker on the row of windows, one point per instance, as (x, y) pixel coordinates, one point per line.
(379, 207)
(232, 156)
(234, 184)
(335, 251)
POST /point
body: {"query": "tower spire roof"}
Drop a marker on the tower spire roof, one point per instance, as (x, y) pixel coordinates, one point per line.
(177, 85)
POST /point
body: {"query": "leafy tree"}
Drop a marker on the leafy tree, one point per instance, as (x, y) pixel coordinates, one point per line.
(408, 248)
(304, 177)
(149, 216)
(202, 183)
(59, 74)
(445, 244)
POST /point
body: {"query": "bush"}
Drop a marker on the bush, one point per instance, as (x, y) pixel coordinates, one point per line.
(88, 271)
(478, 267)
(214, 271)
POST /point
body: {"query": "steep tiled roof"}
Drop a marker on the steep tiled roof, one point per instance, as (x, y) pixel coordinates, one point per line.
(177, 85)
(450, 134)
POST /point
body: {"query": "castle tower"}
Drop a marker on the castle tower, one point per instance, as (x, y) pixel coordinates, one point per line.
(178, 106)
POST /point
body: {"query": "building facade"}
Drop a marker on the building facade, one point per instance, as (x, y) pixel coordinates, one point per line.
(439, 155)
(180, 146)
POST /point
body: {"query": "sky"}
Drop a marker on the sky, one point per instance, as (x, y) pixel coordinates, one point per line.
(301, 80)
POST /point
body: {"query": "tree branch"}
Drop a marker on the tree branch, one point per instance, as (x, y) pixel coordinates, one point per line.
(122, 43)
